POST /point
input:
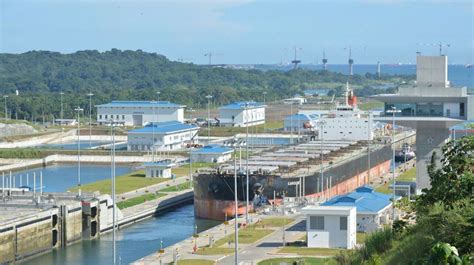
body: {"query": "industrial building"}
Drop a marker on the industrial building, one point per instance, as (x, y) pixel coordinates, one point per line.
(431, 106)
(211, 154)
(160, 169)
(139, 113)
(373, 208)
(242, 114)
(169, 135)
(330, 227)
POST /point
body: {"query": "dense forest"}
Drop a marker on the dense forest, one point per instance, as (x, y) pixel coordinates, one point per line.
(39, 77)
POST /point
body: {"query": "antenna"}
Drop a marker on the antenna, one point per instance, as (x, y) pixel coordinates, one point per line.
(325, 61)
(441, 45)
(295, 62)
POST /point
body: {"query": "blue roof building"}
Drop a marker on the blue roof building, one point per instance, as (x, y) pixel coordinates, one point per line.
(242, 114)
(170, 135)
(139, 113)
(373, 208)
(212, 154)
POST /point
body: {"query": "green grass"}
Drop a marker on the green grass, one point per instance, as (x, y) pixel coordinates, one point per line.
(229, 131)
(132, 181)
(246, 236)
(302, 260)
(195, 262)
(311, 251)
(179, 187)
(139, 200)
(360, 237)
(184, 170)
(372, 104)
(409, 175)
(214, 251)
(275, 221)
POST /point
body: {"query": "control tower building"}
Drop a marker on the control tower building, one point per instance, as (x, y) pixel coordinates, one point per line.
(429, 105)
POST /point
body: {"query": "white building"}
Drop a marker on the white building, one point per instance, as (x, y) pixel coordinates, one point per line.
(169, 135)
(373, 208)
(211, 154)
(139, 113)
(242, 114)
(330, 226)
(300, 123)
(295, 101)
(161, 169)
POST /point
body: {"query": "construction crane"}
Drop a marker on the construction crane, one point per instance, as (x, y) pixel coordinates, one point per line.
(440, 46)
(295, 62)
(210, 54)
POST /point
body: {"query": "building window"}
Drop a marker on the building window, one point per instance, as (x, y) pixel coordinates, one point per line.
(316, 222)
(343, 223)
(461, 109)
(100, 117)
(123, 117)
(105, 116)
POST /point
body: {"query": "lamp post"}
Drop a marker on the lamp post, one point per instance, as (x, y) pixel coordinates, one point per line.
(393, 110)
(234, 143)
(321, 132)
(247, 165)
(62, 110)
(6, 110)
(291, 122)
(90, 118)
(209, 97)
(78, 109)
(264, 103)
(112, 169)
(369, 134)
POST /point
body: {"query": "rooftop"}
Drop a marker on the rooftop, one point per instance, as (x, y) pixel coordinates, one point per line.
(158, 104)
(243, 104)
(164, 163)
(212, 149)
(364, 198)
(165, 127)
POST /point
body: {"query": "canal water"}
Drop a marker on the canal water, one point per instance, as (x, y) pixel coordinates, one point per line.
(59, 177)
(133, 242)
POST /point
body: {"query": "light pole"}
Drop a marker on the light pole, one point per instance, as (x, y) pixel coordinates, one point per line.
(247, 164)
(78, 109)
(209, 97)
(321, 132)
(291, 122)
(62, 110)
(369, 134)
(90, 118)
(264, 103)
(6, 110)
(112, 169)
(234, 143)
(393, 110)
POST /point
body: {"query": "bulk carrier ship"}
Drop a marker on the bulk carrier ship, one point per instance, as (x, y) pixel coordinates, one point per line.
(295, 170)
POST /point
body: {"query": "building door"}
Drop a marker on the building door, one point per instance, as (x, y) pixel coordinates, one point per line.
(448, 113)
(137, 120)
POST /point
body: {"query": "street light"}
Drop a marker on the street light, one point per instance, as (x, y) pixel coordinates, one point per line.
(264, 103)
(6, 111)
(393, 110)
(112, 169)
(247, 164)
(209, 97)
(78, 109)
(234, 143)
(90, 118)
(369, 134)
(321, 133)
(62, 110)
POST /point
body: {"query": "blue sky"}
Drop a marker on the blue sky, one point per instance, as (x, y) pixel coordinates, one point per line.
(243, 31)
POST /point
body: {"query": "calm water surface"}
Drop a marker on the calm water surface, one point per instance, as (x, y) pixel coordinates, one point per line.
(133, 242)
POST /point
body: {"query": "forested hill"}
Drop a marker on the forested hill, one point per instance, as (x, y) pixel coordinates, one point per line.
(138, 75)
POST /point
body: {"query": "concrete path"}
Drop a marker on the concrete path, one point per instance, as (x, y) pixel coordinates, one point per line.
(152, 188)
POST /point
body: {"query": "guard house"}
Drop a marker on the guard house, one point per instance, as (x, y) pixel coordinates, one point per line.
(171, 135)
(330, 226)
(139, 113)
(242, 114)
(373, 208)
(161, 169)
(211, 154)
(300, 122)
(431, 106)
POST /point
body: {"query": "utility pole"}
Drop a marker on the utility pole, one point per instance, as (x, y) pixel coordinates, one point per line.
(112, 159)
(209, 97)
(247, 163)
(393, 111)
(90, 118)
(322, 123)
(369, 134)
(78, 109)
(62, 110)
(295, 61)
(264, 103)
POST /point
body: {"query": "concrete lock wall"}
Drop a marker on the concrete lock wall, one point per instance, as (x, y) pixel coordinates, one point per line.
(73, 229)
(7, 245)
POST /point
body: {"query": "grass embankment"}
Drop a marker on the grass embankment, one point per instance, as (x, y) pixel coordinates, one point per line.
(409, 176)
(229, 131)
(310, 251)
(372, 104)
(299, 260)
(139, 200)
(195, 262)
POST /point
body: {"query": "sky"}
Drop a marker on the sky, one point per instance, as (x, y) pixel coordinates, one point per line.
(244, 31)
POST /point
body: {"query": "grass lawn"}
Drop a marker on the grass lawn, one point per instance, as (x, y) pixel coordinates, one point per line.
(132, 181)
(214, 251)
(361, 237)
(184, 170)
(195, 262)
(246, 236)
(409, 175)
(303, 260)
(275, 222)
(180, 187)
(311, 251)
(372, 104)
(229, 131)
(140, 199)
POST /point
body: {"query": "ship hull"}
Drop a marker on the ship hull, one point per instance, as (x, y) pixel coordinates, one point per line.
(214, 193)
